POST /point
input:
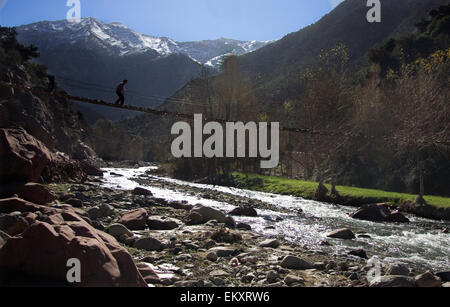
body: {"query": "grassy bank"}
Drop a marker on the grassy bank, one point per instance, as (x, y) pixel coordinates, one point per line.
(350, 195)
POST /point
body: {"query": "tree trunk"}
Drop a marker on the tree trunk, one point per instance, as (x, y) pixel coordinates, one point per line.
(334, 192)
(420, 199)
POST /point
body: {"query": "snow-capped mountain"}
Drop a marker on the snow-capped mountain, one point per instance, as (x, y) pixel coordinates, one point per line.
(118, 39)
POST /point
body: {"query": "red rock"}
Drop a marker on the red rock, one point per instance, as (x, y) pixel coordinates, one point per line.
(35, 193)
(25, 156)
(148, 274)
(42, 251)
(13, 224)
(135, 220)
(244, 211)
(15, 204)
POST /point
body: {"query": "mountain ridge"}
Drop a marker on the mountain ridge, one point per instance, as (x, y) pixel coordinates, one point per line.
(119, 39)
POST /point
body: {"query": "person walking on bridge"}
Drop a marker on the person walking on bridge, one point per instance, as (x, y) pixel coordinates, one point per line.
(120, 91)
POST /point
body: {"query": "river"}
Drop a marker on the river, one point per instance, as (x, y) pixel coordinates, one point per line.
(420, 244)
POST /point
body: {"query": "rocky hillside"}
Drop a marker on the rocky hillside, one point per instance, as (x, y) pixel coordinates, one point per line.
(37, 130)
(274, 66)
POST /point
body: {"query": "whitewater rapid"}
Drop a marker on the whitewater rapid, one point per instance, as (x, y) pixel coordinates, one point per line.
(421, 243)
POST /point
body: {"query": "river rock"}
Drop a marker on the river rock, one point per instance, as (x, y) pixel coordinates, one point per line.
(149, 244)
(428, 280)
(43, 249)
(142, 192)
(180, 206)
(292, 279)
(230, 222)
(378, 213)
(296, 263)
(246, 279)
(94, 212)
(106, 210)
(244, 211)
(210, 244)
(223, 251)
(209, 214)
(361, 253)
(212, 256)
(272, 243)
(397, 269)
(118, 230)
(74, 202)
(195, 218)
(397, 217)
(272, 277)
(345, 234)
(390, 281)
(226, 236)
(162, 223)
(243, 226)
(135, 220)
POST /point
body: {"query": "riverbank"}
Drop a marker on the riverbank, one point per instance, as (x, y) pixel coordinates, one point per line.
(438, 208)
(232, 251)
(177, 253)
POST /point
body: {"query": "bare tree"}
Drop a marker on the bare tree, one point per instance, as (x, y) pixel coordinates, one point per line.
(422, 111)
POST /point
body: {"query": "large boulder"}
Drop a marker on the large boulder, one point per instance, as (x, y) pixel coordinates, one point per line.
(428, 280)
(142, 192)
(223, 251)
(23, 156)
(209, 214)
(397, 269)
(295, 263)
(118, 230)
(162, 223)
(392, 281)
(32, 192)
(378, 213)
(40, 254)
(272, 243)
(135, 220)
(345, 234)
(195, 218)
(244, 211)
(149, 244)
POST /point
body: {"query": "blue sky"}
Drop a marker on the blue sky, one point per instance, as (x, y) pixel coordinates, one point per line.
(182, 20)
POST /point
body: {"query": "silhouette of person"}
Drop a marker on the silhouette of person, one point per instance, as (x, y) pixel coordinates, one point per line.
(120, 91)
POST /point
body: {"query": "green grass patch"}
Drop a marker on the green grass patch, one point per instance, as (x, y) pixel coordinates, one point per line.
(306, 189)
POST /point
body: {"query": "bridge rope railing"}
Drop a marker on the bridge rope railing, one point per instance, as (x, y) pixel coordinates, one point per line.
(189, 116)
